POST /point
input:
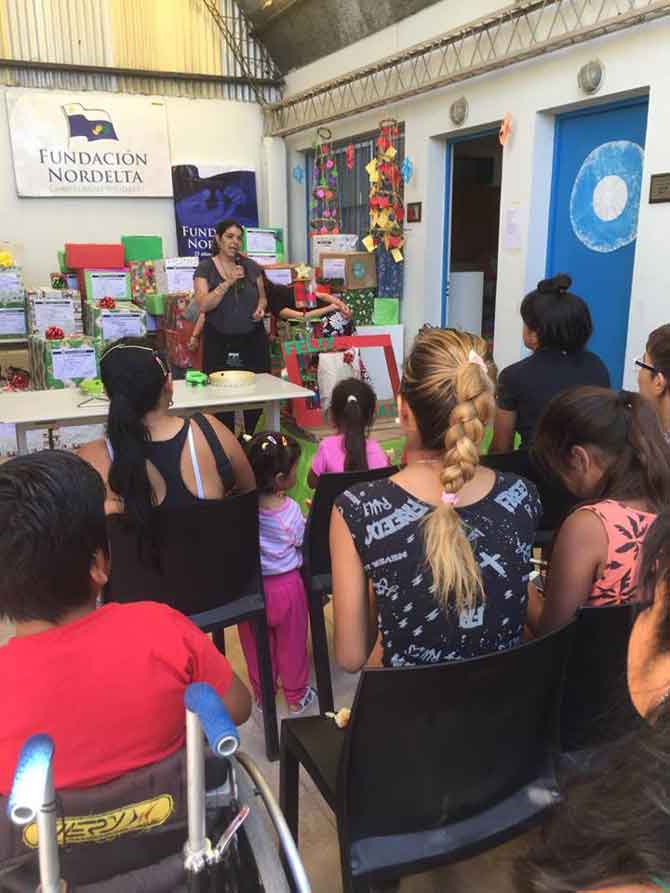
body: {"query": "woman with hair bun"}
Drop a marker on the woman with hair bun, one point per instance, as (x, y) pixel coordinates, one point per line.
(445, 543)
(556, 328)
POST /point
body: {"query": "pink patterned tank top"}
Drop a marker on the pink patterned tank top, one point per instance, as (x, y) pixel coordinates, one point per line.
(626, 529)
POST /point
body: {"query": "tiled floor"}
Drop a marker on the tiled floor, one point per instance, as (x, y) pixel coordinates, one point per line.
(490, 873)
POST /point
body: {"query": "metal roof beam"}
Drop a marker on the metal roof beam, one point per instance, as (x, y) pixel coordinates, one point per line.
(512, 34)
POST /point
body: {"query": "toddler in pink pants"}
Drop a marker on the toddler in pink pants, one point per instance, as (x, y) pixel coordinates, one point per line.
(274, 459)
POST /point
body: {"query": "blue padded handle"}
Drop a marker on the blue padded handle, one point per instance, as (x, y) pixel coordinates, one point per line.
(221, 731)
(30, 778)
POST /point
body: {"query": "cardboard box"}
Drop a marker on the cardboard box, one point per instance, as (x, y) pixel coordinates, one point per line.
(93, 257)
(108, 325)
(264, 240)
(281, 274)
(11, 284)
(64, 363)
(350, 269)
(98, 284)
(141, 248)
(46, 307)
(332, 244)
(175, 274)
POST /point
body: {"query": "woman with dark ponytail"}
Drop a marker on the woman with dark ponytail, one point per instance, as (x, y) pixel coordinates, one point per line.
(151, 457)
(606, 447)
(556, 328)
(352, 410)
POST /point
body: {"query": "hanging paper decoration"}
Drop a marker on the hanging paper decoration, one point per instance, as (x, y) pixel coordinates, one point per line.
(349, 155)
(325, 203)
(298, 173)
(407, 170)
(387, 211)
(505, 129)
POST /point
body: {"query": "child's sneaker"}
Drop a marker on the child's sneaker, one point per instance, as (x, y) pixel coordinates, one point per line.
(308, 700)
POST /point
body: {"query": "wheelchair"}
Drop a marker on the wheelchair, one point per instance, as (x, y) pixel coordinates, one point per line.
(189, 824)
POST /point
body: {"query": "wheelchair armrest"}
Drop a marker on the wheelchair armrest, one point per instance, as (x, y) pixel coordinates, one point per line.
(220, 730)
(31, 780)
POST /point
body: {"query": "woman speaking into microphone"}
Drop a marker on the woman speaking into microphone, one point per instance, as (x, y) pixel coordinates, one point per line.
(229, 291)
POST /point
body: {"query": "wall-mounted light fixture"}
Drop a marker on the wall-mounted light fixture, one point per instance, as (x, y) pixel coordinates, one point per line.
(458, 111)
(590, 77)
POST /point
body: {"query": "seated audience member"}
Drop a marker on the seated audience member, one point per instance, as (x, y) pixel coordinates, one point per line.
(107, 684)
(653, 377)
(556, 327)
(151, 457)
(610, 832)
(445, 542)
(606, 447)
(352, 411)
(649, 647)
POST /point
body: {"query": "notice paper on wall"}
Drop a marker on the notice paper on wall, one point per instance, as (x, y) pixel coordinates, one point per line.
(115, 325)
(12, 322)
(284, 276)
(333, 268)
(511, 234)
(109, 284)
(54, 313)
(74, 362)
(261, 242)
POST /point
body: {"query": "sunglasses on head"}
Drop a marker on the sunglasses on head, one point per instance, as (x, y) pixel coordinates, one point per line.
(648, 367)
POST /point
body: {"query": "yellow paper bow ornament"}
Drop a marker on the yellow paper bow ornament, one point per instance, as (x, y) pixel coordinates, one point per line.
(6, 259)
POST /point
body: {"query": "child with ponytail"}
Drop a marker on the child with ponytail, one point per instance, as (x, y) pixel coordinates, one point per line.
(606, 447)
(274, 459)
(445, 543)
(352, 410)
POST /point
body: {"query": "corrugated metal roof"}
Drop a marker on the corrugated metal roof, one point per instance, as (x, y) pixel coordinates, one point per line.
(134, 39)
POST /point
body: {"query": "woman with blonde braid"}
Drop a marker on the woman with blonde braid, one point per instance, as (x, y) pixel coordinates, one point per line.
(445, 543)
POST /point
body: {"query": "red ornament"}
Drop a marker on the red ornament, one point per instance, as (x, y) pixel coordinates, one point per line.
(107, 303)
(18, 379)
(54, 333)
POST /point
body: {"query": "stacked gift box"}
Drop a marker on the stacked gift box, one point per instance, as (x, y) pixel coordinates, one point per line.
(12, 303)
(63, 362)
(108, 320)
(141, 254)
(265, 245)
(174, 275)
(48, 307)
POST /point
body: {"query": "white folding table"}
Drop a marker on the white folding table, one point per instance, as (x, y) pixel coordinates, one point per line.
(49, 409)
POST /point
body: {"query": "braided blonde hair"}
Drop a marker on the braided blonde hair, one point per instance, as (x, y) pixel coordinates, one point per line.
(450, 392)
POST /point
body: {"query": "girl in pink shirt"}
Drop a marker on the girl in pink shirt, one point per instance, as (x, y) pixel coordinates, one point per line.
(352, 411)
(274, 459)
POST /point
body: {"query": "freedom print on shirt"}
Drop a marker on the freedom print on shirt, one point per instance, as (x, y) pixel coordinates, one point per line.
(385, 522)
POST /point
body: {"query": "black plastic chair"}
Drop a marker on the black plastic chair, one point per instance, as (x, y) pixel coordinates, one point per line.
(208, 567)
(557, 501)
(597, 708)
(438, 763)
(316, 566)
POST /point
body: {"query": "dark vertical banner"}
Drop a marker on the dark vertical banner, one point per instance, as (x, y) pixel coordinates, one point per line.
(204, 195)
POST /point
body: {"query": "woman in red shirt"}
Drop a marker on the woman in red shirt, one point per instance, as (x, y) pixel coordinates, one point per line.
(106, 684)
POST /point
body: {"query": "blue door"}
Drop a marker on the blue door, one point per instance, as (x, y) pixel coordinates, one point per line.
(597, 182)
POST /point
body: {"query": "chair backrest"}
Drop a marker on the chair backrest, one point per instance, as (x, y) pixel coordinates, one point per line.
(110, 829)
(208, 556)
(596, 706)
(431, 745)
(316, 551)
(557, 501)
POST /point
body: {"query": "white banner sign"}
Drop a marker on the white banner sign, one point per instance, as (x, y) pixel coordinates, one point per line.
(88, 144)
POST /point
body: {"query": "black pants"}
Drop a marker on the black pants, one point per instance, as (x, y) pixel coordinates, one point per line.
(250, 353)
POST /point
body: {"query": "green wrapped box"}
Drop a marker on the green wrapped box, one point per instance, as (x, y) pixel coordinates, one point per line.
(264, 240)
(64, 363)
(386, 312)
(142, 248)
(362, 303)
(109, 324)
(155, 305)
(142, 281)
(62, 265)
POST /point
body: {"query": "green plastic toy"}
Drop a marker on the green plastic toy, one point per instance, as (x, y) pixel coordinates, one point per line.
(92, 387)
(196, 379)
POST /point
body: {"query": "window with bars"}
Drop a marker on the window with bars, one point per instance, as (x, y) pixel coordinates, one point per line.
(353, 185)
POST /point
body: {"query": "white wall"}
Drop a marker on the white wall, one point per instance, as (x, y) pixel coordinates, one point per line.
(635, 60)
(205, 131)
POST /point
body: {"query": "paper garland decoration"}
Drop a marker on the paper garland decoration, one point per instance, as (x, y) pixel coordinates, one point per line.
(349, 155)
(325, 202)
(387, 211)
(298, 173)
(6, 259)
(505, 130)
(407, 170)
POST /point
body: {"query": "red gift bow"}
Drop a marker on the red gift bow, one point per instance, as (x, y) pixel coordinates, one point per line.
(107, 303)
(54, 333)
